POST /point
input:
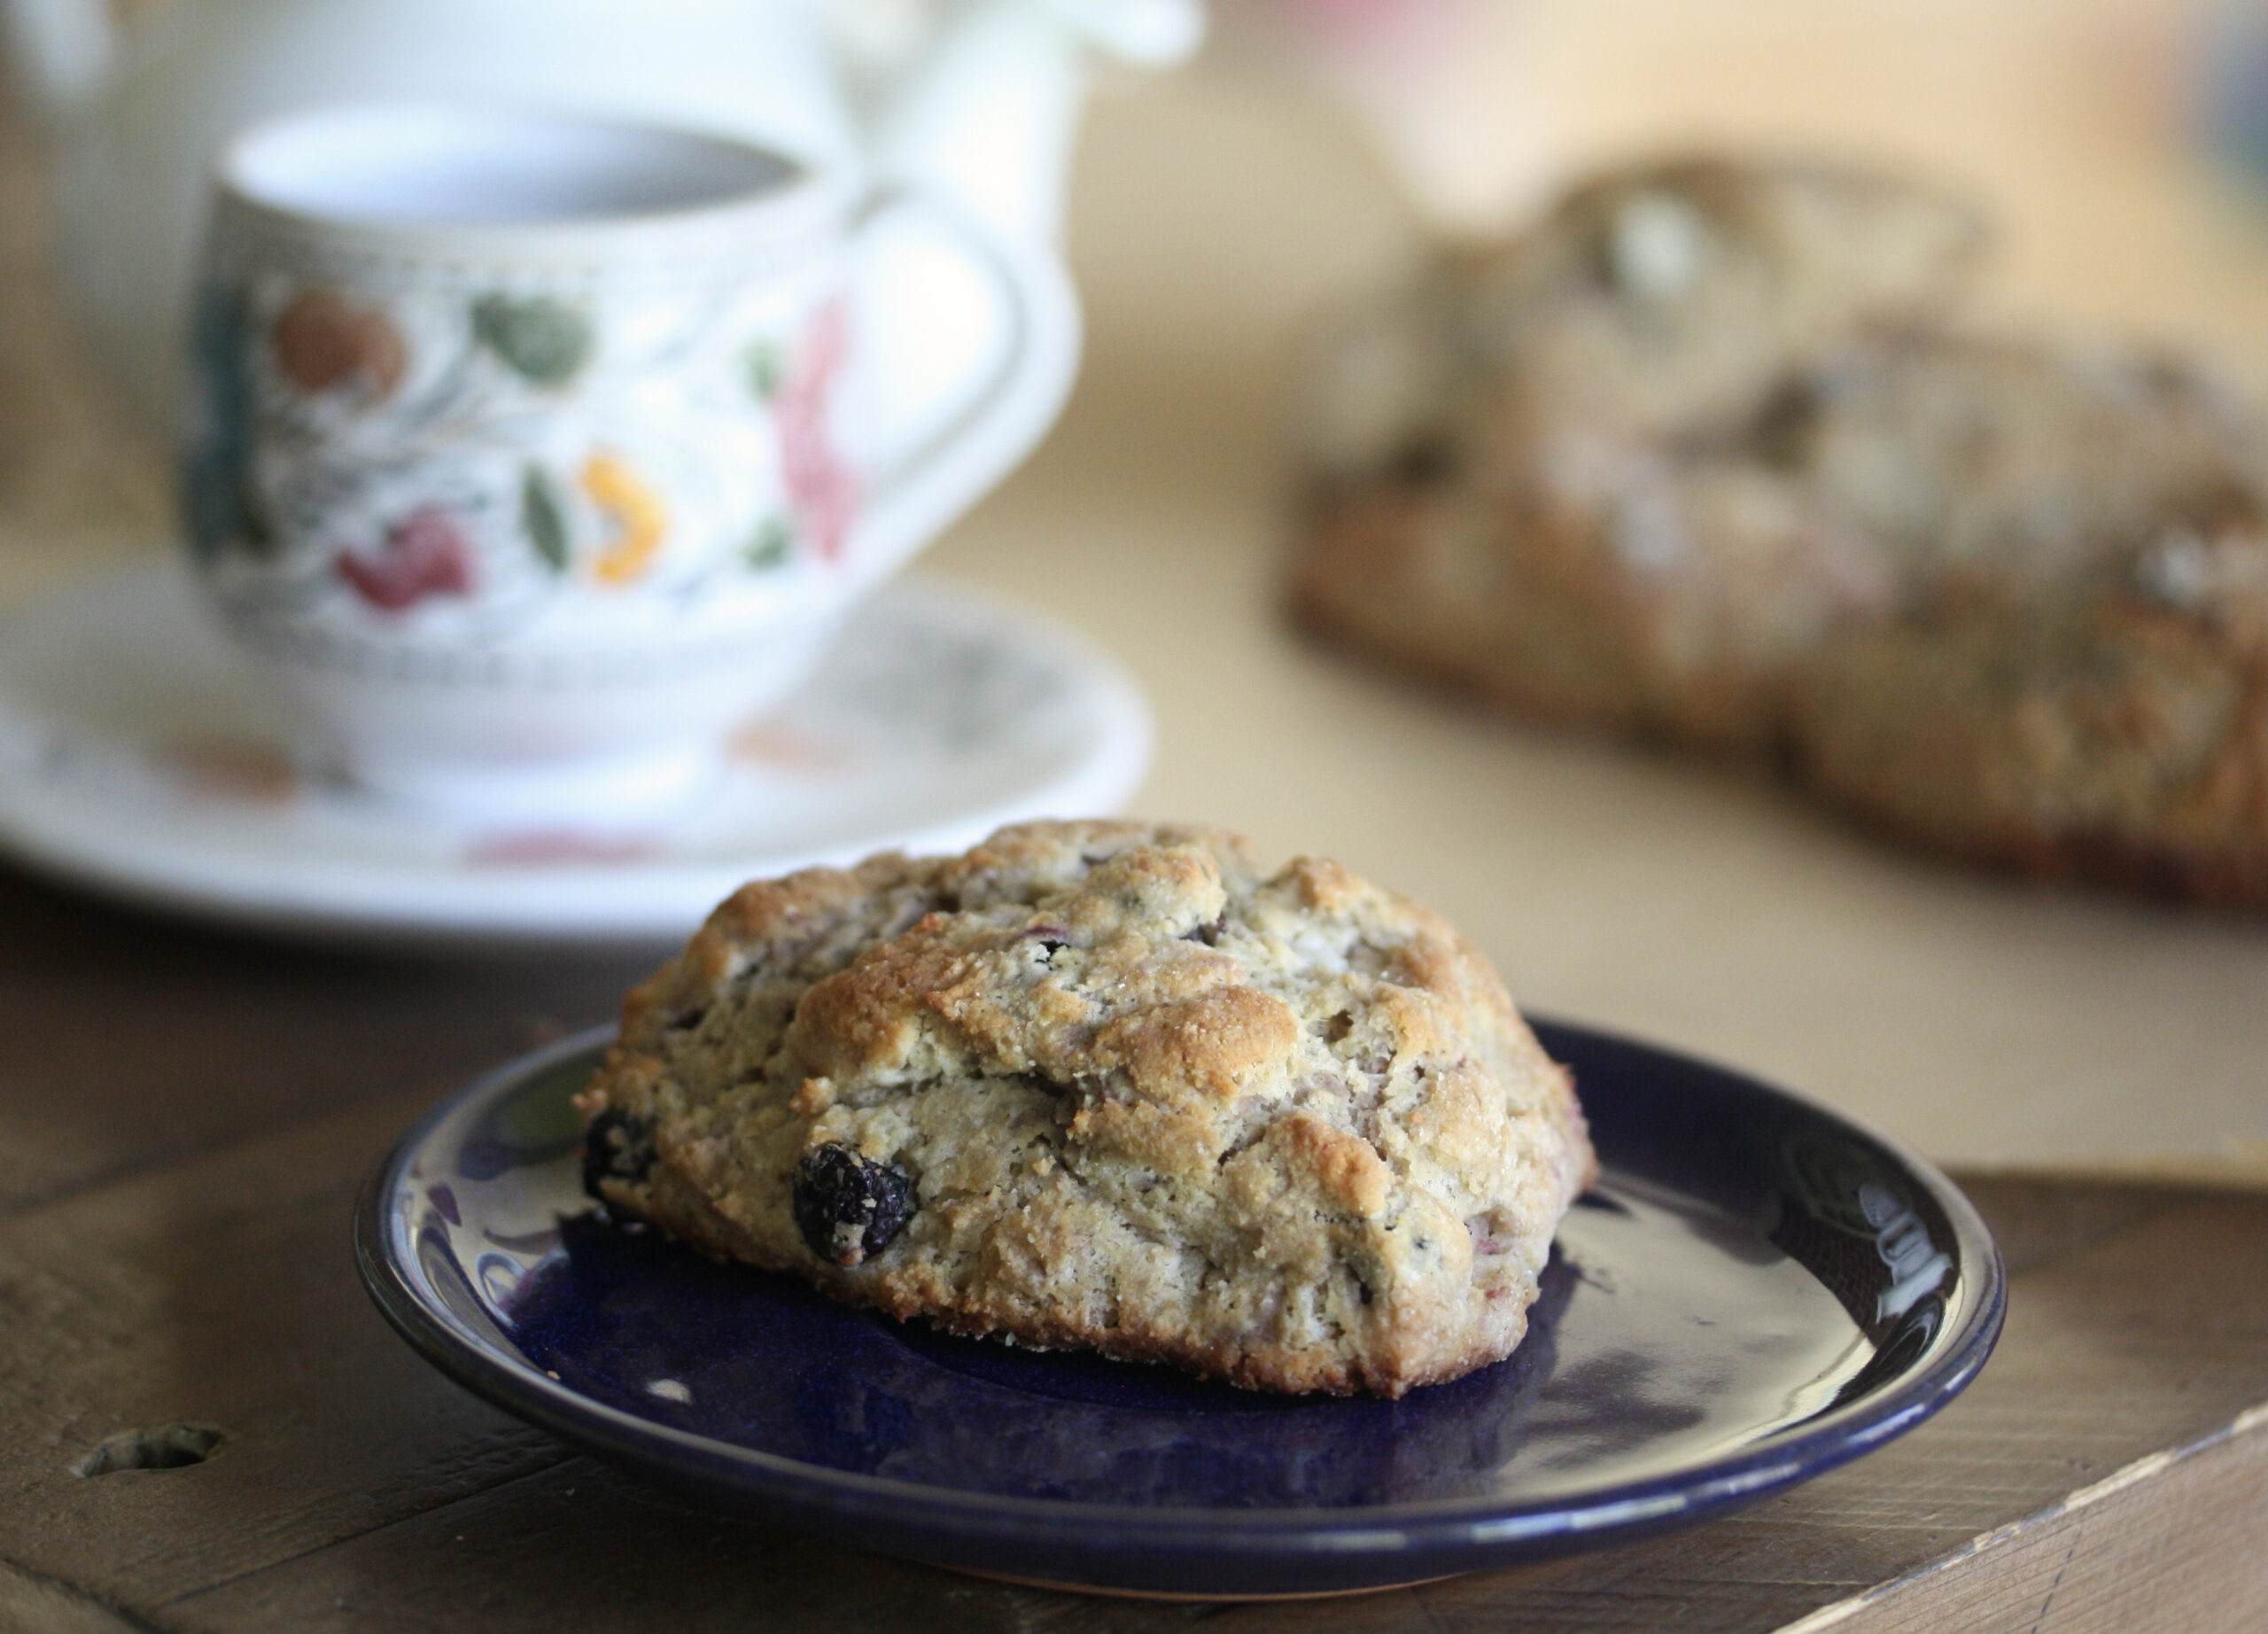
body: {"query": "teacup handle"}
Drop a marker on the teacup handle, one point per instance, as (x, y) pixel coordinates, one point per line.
(944, 466)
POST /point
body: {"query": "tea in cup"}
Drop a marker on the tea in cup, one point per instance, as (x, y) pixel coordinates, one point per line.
(529, 454)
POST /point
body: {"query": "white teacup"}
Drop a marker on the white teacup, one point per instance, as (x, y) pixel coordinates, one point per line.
(529, 454)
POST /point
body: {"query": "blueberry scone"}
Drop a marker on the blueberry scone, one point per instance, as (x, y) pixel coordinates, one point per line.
(1105, 1085)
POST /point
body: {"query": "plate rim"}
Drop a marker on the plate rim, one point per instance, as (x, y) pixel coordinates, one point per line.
(1491, 1530)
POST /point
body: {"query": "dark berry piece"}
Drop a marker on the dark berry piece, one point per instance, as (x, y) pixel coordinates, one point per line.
(847, 1206)
(1783, 431)
(1425, 459)
(617, 1147)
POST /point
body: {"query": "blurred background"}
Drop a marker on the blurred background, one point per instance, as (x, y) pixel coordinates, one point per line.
(1317, 149)
(2116, 145)
(2120, 147)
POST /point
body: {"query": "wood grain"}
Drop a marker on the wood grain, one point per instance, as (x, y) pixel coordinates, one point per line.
(130, 1039)
(28, 1601)
(2174, 1543)
(221, 1290)
(360, 1489)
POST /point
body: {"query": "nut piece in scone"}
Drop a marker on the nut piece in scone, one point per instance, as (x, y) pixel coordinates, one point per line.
(1107, 1085)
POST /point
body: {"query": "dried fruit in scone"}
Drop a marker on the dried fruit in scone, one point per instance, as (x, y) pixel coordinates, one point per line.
(1104, 1085)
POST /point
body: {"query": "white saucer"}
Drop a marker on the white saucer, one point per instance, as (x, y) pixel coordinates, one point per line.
(138, 760)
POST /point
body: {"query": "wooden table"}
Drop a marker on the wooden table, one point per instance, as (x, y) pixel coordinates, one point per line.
(188, 1116)
(185, 1114)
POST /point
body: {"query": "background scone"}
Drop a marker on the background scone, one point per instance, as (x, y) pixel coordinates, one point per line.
(1666, 464)
(1102, 1084)
(1561, 469)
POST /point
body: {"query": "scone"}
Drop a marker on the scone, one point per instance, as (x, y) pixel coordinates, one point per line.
(1103, 1084)
(1553, 470)
(2004, 597)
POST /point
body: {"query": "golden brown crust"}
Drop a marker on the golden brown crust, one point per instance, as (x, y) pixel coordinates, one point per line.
(1136, 1098)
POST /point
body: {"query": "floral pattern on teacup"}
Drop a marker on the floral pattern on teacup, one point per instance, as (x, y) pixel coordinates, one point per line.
(322, 341)
(545, 341)
(819, 487)
(424, 553)
(503, 452)
(638, 518)
(222, 512)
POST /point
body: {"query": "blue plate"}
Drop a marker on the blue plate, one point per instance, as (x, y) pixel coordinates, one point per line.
(1756, 1291)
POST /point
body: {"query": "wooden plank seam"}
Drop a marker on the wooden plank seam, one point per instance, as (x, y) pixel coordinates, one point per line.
(2118, 1480)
